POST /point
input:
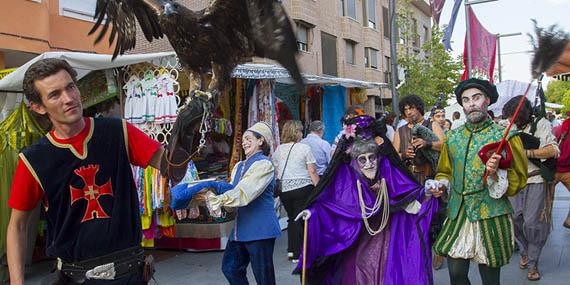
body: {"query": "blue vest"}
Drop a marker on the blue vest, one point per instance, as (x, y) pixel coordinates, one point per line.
(257, 220)
(91, 200)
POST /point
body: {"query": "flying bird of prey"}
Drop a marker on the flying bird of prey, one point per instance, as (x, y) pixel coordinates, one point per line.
(215, 39)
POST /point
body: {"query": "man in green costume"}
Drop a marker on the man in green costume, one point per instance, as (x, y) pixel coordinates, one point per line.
(478, 226)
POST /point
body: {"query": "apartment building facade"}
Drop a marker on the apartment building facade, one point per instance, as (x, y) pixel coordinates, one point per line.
(31, 27)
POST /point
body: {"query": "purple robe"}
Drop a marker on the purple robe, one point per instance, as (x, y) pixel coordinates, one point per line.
(400, 254)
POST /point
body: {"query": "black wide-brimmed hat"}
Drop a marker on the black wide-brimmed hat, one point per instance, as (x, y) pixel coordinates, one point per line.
(484, 85)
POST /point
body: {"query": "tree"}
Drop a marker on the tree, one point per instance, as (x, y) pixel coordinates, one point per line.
(557, 90)
(428, 76)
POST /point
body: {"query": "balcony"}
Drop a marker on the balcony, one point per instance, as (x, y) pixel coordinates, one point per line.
(372, 38)
(305, 10)
(423, 5)
(351, 29)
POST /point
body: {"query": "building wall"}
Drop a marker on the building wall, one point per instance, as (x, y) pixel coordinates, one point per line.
(37, 26)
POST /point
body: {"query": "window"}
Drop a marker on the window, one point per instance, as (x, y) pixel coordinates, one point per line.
(83, 10)
(351, 8)
(342, 8)
(415, 34)
(387, 70)
(302, 37)
(402, 31)
(350, 45)
(386, 22)
(370, 13)
(371, 58)
(426, 34)
(328, 51)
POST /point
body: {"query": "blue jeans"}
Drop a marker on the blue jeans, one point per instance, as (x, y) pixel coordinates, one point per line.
(239, 254)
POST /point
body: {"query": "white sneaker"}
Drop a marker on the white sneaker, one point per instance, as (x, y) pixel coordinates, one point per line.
(289, 255)
(295, 261)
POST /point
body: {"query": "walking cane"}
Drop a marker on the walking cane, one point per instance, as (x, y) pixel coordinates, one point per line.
(303, 273)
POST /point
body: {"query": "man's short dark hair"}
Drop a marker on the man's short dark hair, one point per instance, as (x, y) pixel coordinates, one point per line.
(412, 101)
(316, 126)
(525, 114)
(40, 70)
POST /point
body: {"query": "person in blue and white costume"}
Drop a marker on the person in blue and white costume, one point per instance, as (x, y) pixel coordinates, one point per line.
(251, 193)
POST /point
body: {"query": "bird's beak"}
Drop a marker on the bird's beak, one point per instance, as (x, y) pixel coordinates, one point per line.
(169, 9)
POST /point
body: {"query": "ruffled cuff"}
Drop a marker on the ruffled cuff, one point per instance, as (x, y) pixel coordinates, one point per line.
(498, 185)
(214, 204)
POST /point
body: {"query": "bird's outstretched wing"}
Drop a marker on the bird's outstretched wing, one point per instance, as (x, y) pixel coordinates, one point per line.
(273, 35)
(260, 26)
(122, 14)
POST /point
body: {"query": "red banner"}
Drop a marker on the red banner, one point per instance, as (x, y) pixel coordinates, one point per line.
(483, 49)
(436, 8)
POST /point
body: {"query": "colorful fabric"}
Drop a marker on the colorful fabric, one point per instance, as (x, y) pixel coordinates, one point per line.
(496, 233)
(336, 232)
(449, 30)
(288, 94)
(17, 131)
(436, 9)
(483, 49)
(238, 125)
(334, 104)
(478, 224)
(459, 153)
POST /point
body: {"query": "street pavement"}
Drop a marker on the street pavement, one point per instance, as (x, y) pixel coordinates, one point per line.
(175, 267)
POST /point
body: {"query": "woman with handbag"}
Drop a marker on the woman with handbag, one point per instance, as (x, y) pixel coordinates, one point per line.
(297, 174)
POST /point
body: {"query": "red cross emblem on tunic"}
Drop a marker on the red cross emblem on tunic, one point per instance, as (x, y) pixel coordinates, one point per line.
(91, 192)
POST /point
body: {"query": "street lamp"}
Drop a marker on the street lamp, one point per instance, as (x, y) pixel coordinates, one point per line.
(499, 36)
(467, 4)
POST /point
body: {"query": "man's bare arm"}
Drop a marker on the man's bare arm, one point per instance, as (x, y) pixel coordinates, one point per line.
(16, 244)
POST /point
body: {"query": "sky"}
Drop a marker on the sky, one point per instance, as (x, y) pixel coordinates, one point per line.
(510, 16)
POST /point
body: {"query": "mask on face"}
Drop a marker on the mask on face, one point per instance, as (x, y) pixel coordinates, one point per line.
(367, 163)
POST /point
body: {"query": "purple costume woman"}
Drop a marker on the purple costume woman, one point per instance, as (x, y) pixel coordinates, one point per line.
(354, 237)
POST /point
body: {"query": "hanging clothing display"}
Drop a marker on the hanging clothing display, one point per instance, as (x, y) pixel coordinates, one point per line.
(18, 131)
(238, 124)
(288, 94)
(156, 219)
(334, 106)
(151, 98)
(262, 107)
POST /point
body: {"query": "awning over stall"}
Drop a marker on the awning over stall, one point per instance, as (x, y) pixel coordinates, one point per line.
(87, 62)
(83, 63)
